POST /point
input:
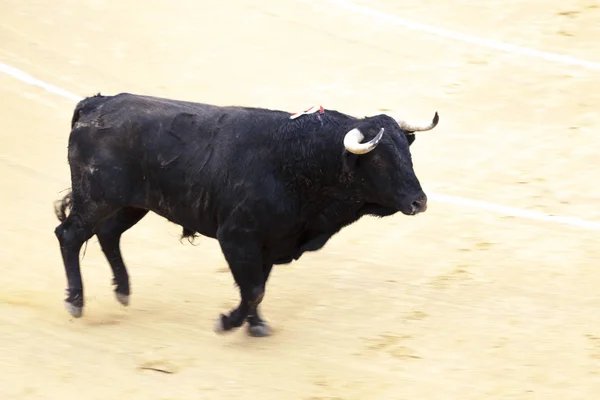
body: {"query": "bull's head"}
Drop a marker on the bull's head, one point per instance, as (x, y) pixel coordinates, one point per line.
(387, 173)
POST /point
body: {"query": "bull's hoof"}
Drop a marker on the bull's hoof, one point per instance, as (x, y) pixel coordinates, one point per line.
(75, 311)
(222, 325)
(74, 302)
(122, 298)
(260, 330)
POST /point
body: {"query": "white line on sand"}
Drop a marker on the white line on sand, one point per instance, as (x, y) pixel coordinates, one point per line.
(478, 41)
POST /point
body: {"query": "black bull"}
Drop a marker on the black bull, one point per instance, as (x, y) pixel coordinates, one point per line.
(268, 187)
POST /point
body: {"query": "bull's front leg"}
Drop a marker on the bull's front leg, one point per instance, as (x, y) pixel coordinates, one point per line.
(257, 326)
(244, 256)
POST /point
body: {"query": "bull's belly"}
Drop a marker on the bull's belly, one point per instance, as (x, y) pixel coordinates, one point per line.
(203, 223)
(284, 252)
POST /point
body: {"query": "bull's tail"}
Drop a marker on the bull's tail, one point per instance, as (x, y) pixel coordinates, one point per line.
(63, 207)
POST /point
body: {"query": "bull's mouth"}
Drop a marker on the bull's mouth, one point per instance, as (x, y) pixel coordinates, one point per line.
(415, 207)
(409, 212)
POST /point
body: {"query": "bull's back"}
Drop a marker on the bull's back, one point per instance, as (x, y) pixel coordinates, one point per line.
(142, 116)
(114, 111)
(150, 129)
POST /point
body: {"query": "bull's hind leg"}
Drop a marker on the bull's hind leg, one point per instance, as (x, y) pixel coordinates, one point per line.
(256, 325)
(72, 233)
(109, 235)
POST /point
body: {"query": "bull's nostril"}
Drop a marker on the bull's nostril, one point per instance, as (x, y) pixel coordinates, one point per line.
(419, 205)
(416, 206)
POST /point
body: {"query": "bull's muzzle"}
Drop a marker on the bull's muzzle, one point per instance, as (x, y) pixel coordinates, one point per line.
(419, 204)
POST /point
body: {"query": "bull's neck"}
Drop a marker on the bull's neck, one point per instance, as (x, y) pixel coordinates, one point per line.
(313, 157)
(321, 174)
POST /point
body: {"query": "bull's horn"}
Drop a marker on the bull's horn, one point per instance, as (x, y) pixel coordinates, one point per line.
(418, 127)
(352, 142)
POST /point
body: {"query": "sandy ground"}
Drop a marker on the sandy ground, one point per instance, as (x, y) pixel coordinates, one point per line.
(457, 303)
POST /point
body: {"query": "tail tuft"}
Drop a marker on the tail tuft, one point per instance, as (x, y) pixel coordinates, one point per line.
(61, 207)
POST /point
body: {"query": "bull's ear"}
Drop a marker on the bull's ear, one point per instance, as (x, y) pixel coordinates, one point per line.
(410, 137)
